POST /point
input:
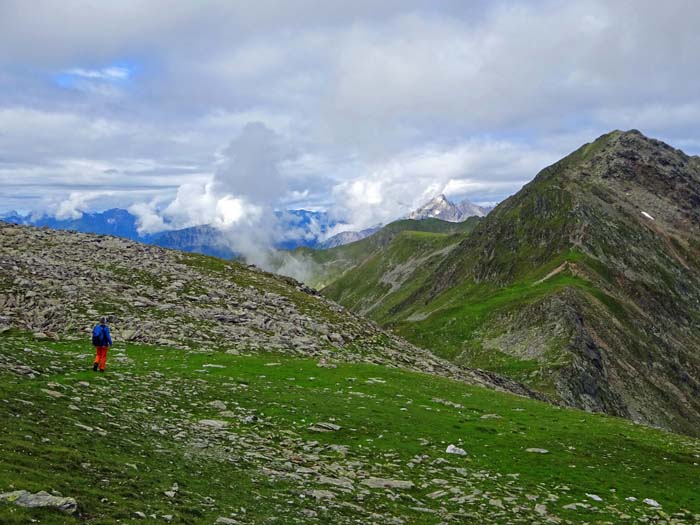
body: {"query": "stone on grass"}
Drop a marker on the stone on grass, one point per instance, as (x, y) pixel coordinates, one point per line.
(537, 450)
(324, 427)
(42, 499)
(338, 482)
(213, 423)
(452, 449)
(52, 393)
(382, 483)
(321, 494)
(217, 404)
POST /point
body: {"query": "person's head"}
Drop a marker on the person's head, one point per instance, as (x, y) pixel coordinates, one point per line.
(103, 320)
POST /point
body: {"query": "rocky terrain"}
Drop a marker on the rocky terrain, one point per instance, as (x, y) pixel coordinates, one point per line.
(57, 284)
(585, 285)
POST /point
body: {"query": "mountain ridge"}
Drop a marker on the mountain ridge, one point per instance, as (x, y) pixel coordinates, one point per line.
(585, 284)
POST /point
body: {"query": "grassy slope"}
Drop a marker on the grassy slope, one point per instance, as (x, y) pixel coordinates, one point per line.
(150, 399)
(453, 324)
(388, 276)
(331, 264)
(446, 304)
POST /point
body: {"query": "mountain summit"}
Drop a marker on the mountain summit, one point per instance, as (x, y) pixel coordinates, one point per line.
(441, 208)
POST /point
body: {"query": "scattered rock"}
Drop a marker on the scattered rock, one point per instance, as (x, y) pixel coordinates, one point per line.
(537, 450)
(338, 482)
(321, 494)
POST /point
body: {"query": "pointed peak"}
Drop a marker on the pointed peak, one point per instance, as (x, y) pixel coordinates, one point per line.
(439, 198)
(625, 138)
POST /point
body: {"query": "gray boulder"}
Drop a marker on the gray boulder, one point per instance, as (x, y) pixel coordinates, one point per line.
(42, 499)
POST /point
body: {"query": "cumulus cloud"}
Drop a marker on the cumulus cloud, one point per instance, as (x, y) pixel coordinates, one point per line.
(238, 199)
(482, 170)
(77, 203)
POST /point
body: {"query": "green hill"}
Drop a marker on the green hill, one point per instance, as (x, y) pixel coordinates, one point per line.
(329, 265)
(585, 285)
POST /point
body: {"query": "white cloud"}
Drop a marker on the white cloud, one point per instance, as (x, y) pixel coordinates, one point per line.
(75, 205)
(105, 73)
(479, 169)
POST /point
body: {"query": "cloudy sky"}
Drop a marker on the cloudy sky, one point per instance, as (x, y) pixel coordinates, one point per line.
(208, 111)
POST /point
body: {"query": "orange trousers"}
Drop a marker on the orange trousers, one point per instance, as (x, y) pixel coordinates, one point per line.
(101, 356)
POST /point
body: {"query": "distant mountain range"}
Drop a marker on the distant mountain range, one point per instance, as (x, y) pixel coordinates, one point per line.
(305, 228)
(301, 228)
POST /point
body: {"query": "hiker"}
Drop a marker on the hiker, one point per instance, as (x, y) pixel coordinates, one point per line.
(100, 339)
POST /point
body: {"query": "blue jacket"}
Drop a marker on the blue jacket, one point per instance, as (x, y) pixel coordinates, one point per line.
(96, 332)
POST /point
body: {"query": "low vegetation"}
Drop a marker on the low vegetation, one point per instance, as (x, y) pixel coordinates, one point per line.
(179, 436)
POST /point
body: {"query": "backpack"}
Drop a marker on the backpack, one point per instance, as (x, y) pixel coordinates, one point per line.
(99, 338)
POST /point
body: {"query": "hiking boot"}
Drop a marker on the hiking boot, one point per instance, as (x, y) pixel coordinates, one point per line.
(102, 370)
(94, 367)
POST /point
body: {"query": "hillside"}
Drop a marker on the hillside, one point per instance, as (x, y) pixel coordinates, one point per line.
(327, 266)
(236, 396)
(585, 284)
(172, 436)
(56, 284)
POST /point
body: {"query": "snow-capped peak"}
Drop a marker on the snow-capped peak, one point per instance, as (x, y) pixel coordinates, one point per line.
(440, 207)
